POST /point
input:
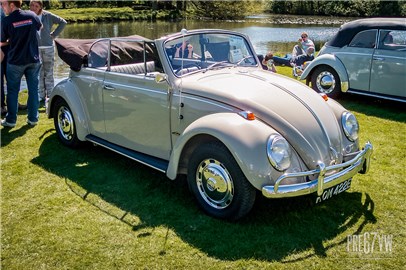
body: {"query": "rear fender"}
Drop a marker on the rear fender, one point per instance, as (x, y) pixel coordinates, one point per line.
(67, 91)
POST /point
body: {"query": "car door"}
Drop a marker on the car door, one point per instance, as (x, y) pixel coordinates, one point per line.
(388, 71)
(91, 82)
(357, 59)
(136, 107)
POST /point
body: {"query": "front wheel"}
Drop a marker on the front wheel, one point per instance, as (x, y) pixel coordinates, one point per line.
(218, 184)
(65, 124)
(325, 80)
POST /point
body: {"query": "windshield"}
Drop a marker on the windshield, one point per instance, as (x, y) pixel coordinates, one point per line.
(202, 52)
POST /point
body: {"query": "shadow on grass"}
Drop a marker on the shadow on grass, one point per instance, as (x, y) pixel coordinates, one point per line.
(10, 134)
(145, 199)
(386, 109)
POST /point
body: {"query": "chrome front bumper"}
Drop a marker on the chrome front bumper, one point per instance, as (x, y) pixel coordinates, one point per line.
(359, 164)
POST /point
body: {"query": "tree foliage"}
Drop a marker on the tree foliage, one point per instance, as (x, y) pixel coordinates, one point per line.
(236, 9)
(223, 10)
(356, 8)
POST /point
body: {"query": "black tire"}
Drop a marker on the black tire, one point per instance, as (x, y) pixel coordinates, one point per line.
(218, 184)
(65, 124)
(326, 80)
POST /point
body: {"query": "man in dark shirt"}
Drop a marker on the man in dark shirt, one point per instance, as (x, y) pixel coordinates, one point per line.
(20, 28)
(3, 54)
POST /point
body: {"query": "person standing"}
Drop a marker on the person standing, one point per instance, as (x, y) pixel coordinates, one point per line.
(3, 54)
(46, 46)
(20, 28)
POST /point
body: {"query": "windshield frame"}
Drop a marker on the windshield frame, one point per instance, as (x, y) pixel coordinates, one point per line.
(215, 44)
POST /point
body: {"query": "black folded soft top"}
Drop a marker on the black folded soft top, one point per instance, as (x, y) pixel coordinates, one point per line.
(74, 52)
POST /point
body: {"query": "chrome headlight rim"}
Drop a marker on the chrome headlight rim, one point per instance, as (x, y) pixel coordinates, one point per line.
(279, 152)
(350, 126)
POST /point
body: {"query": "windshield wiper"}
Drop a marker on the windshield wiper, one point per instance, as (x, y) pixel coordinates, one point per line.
(214, 65)
(243, 59)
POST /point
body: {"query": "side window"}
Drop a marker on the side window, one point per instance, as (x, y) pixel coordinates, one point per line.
(364, 39)
(128, 57)
(152, 55)
(98, 55)
(392, 40)
(126, 52)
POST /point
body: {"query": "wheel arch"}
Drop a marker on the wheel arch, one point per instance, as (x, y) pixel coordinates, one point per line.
(331, 61)
(245, 140)
(67, 91)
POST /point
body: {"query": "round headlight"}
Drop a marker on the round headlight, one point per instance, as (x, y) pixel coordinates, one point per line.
(350, 126)
(278, 151)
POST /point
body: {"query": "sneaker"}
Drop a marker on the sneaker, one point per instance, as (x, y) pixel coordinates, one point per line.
(32, 123)
(4, 123)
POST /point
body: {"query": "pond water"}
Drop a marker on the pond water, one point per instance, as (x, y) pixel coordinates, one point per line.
(267, 32)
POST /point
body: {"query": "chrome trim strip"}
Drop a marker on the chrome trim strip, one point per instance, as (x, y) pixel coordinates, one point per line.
(314, 114)
(387, 56)
(353, 53)
(359, 164)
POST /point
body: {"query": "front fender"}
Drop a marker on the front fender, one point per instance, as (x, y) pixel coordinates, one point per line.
(67, 91)
(332, 61)
(246, 140)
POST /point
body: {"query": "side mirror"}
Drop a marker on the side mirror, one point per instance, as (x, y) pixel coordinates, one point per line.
(161, 77)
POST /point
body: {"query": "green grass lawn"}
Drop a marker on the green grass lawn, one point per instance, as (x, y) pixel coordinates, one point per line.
(94, 209)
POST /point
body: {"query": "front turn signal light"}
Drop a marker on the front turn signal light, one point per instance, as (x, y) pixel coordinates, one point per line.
(247, 115)
(324, 96)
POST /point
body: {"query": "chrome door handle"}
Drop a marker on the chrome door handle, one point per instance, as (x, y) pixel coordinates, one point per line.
(108, 87)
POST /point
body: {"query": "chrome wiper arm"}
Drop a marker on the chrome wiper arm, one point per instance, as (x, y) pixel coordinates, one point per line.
(214, 65)
(243, 59)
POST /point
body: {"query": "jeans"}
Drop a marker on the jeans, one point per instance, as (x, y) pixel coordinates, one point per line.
(3, 74)
(283, 60)
(46, 78)
(14, 74)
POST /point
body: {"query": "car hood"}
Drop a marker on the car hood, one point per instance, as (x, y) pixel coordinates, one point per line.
(288, 106)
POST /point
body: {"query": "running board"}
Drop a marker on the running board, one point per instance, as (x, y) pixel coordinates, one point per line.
(153, 162)
(376, 95)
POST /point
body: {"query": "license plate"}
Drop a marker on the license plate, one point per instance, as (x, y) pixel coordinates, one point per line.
(333, 191)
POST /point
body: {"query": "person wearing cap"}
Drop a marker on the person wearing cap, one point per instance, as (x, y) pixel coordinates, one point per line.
(46, 45)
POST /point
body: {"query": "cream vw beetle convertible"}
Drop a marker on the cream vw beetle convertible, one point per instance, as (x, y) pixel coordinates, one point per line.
(198, 103)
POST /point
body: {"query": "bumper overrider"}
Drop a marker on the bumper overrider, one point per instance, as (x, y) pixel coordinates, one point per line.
(359, 164)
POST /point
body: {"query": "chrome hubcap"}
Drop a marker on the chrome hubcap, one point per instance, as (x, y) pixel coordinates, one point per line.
(65, 123)
(214, 183)
(325, 82)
